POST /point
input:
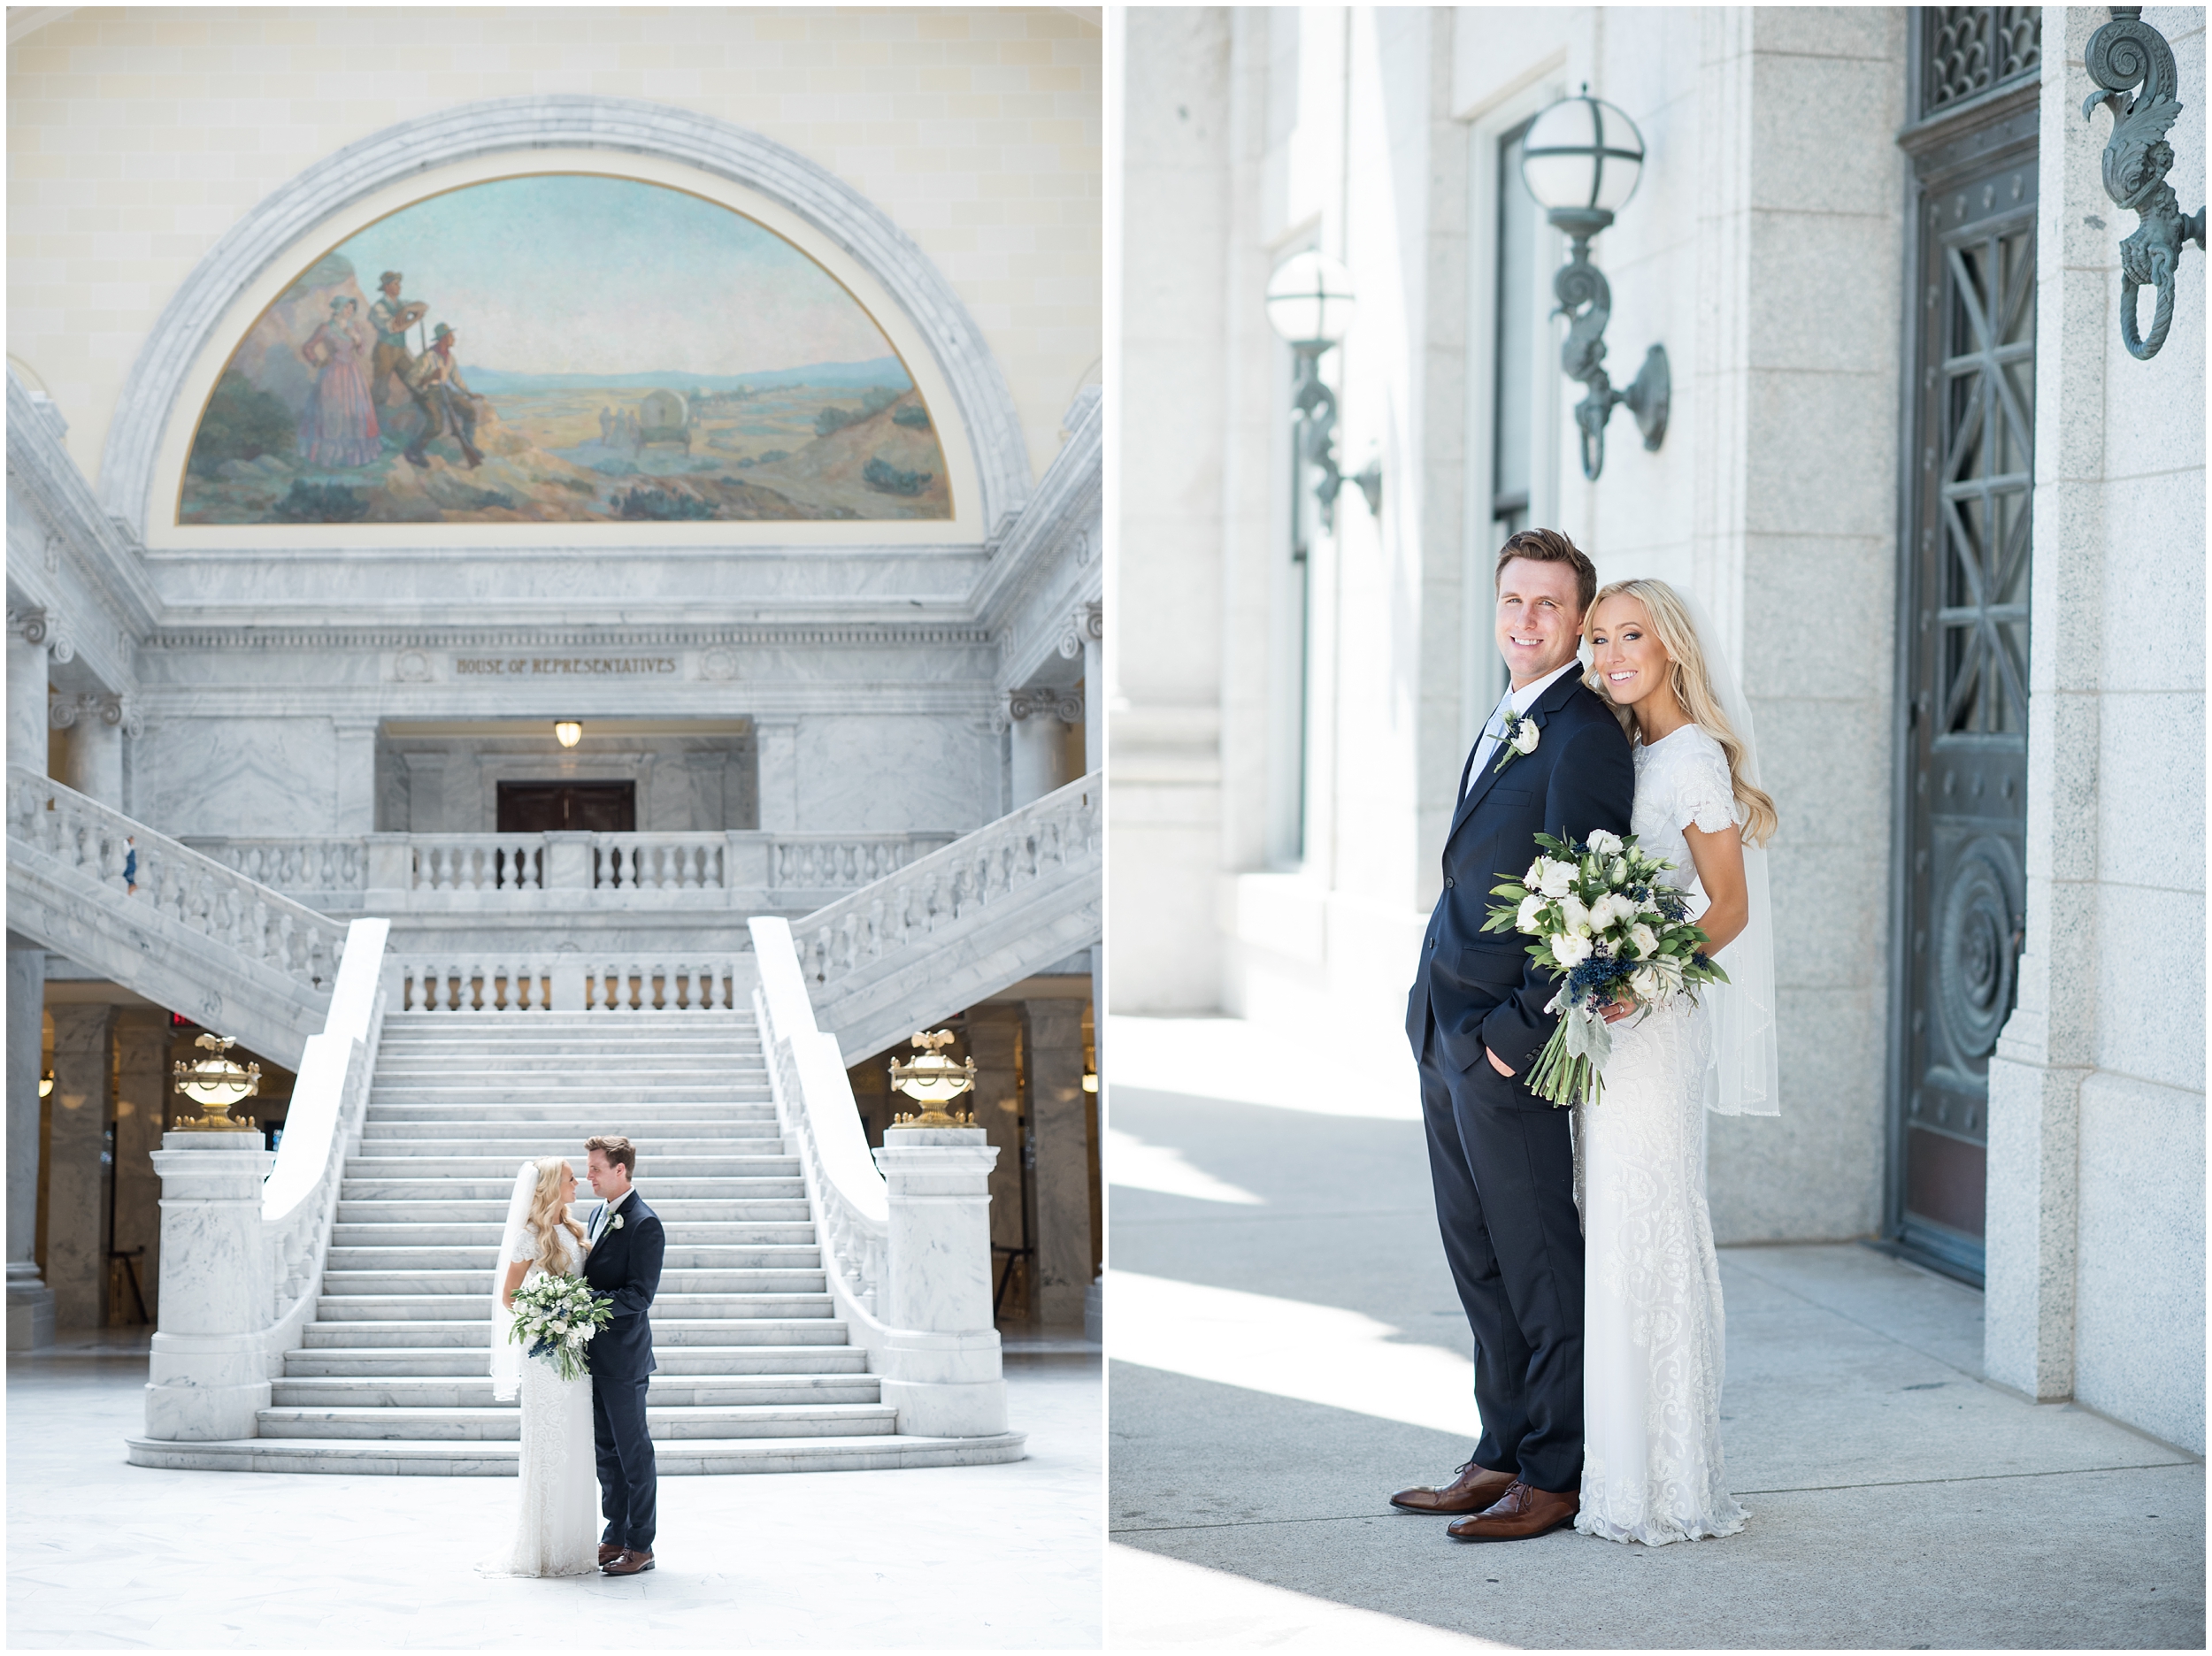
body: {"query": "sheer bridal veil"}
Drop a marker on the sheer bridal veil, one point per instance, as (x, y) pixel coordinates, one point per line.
(506, 1355)
(1743, 1078)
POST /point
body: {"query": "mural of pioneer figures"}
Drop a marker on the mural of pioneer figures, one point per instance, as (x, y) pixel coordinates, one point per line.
(564, 349)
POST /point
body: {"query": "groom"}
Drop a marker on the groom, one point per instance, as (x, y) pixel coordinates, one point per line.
(625, 1265)
(1552, 760)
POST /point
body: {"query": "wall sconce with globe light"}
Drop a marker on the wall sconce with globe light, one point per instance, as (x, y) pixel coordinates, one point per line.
(1310, 304)
(1580, 161)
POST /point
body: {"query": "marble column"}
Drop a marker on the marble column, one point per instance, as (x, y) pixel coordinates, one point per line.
(207, 1378)
(27, 668)
(779, 760)
(356, 776)
(30, 1302)
(1094, 691)
(95, 723)
(1037, 740)
(76, 1181)
(942, 1362)
(1062, 1176)
(991, 1032)
(141, 1043)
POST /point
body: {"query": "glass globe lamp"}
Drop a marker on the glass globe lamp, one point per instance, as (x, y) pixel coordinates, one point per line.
(1581, 160)
(216, 1083)
(1309, 301)
(932, 1081)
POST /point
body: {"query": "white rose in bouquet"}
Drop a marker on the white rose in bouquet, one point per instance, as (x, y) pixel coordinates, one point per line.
(1553, 879)
(1531, 908)
(1610, 910)
(1574, 917)
(1644, 981)
(1570, 950)
(1604, 843)
(1618, 872)
(1642, 941)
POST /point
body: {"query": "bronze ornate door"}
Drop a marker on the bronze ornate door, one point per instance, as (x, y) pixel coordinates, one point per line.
(1963, 648)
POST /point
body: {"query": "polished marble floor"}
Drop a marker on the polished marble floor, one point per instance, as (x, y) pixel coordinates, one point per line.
(105, 1555)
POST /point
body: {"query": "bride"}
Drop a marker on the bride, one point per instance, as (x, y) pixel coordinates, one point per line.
(557, 1531)
(1651, 1337)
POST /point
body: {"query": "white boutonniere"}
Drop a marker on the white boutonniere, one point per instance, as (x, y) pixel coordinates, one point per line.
(1520, 738)
(615, 1223)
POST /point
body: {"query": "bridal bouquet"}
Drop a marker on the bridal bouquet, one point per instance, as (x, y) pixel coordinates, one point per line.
(1608, 928)
(554, 1317)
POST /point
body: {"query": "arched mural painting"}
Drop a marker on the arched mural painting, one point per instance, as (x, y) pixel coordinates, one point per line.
(563, 347)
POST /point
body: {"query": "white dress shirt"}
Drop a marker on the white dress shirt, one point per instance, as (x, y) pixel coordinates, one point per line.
(606, 1211)
(1519, 702)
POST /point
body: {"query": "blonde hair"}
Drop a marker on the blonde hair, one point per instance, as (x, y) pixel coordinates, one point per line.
(1692, 686)
(548, 1214)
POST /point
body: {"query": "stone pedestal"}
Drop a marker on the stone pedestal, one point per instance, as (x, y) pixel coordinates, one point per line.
(942, 1368)
(30, 1302)
(1062, 1174)
(76, 1179)
(206, 1379)
(568, 860)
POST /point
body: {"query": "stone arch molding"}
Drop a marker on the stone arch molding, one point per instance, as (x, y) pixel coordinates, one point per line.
(573, 120)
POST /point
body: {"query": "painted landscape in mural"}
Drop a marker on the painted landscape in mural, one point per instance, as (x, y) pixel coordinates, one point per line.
(564, 349)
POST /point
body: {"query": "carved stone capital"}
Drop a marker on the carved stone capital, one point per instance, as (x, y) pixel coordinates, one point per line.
(1087, 625)
(1064, 705)
(30, 624)
(65, 712)
(62, 710)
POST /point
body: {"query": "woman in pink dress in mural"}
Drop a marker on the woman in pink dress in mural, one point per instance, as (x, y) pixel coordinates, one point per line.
(339, 427)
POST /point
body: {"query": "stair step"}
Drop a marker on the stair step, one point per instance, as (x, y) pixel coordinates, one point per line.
(462, 1121)
(660, 1192)
(526, 1138)
(690, 1457)
(676, 1286)
(399, 1361)
(688, 1211)
(485, 1237)
(483, 1259)
(670, 1311)
(324, 1334)
(666, 1166)
(495, 1424)
(602, 1102)
(667, 1391)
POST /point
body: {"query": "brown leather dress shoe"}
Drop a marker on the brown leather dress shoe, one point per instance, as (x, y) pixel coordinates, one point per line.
(608, 1552)
(629, 1563)
(1475, 1488)
(1520, 1513)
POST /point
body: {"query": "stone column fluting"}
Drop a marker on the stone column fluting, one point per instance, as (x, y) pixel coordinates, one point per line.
(76, 1181)
(207, 1380)
(941, 1367)
(1063, 1173)
(30, 1302)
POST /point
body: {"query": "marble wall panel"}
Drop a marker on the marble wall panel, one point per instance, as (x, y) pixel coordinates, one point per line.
(2141, 1256)
(895, 771)
(2147, 975)
(215, 775)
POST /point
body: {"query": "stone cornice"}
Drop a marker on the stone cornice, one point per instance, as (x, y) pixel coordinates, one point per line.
(288, 214)
(799, 635)
(101, 555)
(1049, 565)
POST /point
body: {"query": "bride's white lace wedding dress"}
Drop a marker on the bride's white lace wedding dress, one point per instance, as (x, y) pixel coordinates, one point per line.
(556, 1530)
(1652, 1333)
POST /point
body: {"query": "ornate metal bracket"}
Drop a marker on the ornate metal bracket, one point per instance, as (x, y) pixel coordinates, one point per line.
(2123, 55)
(1317, 443)
(1585, 299)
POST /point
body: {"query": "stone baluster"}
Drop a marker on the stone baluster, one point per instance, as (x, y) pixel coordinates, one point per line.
(943, 1365)
(207, 1382)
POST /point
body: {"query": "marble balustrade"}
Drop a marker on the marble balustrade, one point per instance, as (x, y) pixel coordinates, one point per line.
(569, 980)
(905, 1232)
(244, 1232)
(411, 872)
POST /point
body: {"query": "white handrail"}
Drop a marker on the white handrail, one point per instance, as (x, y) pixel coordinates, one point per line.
(299, 1199)
(821, 1120)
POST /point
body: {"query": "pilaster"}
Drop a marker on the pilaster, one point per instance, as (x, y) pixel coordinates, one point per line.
(30, 1302)
(76, 1182)
(1062, 1169)
(779, 739)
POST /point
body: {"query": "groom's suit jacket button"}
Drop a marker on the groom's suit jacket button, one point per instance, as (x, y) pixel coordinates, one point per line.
(1448, 882)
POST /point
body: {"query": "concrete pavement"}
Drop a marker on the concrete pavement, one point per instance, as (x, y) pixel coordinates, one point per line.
(1289, 1349)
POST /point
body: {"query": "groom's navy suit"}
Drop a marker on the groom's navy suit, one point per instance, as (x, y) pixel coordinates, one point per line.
(1501, 1159)
(625, 1264)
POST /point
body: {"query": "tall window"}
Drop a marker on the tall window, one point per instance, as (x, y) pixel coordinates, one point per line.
(1512, 401)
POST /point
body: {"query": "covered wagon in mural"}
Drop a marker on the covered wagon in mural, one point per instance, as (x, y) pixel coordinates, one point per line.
(664, 418)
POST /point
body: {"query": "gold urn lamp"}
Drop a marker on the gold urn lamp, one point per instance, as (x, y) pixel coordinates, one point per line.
(215, 1083)
(932, 1081)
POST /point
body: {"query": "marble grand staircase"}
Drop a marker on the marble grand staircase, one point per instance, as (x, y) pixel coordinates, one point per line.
(755, 1373)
